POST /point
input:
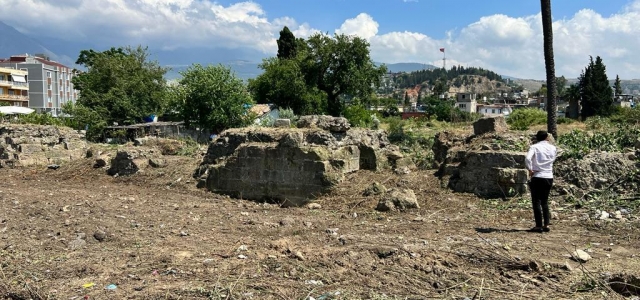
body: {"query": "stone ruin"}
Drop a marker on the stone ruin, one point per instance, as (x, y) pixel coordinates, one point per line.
(599, 171)
(25, 144)
(291, 166)
(489, 163)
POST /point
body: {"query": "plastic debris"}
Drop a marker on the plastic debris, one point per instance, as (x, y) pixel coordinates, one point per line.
(88, 285)
(111, 287)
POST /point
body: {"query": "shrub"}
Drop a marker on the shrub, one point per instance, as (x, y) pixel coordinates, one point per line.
(522, 119)
(578, 143)
(412, 140)
(287, 113)
(598, 123)
(267, 122)
(358, 116)
(626, 115)
(563, 120)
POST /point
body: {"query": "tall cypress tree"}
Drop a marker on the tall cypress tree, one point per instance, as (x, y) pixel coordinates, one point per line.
(617, 86)
(596, 93)
(287, 46)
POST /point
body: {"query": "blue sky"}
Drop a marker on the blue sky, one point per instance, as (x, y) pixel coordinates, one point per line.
(431, 17)
(500, 35)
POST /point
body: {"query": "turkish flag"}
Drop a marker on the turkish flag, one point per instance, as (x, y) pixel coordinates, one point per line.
(441, 49)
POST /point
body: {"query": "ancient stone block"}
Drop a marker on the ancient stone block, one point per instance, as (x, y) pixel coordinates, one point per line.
(395, 199)
(491, 124)
(123, 164)
(290, 165)
(75, 145)
(329, 123)
(30, 148)
(283, 123)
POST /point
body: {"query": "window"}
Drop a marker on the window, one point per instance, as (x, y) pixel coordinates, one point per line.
(48, 74)
(49, 86)
(12, 92)
(463, 95)
(493, 111)
(49, 99)
(2, 77)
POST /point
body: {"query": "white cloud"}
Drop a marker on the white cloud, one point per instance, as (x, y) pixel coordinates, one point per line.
(514, 46)
(165, 24)
(505, 44)
(362, 25)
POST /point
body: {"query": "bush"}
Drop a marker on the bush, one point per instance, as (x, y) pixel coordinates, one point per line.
(267, 122)
(626, 115)
(598, 123)
(358, 116)
(287, 113)
(563, 120)
(413, 141)
(46, 119)
(578, 143)
(522, 119)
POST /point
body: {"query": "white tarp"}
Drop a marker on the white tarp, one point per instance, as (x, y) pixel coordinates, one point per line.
(12, 110)
(18, 78)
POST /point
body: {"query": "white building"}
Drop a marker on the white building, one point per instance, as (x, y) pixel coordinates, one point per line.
(494, 110)
(467, 102)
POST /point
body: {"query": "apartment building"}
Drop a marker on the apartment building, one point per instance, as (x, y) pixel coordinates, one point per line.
(467, 102)
(14, 89)
(49, 85)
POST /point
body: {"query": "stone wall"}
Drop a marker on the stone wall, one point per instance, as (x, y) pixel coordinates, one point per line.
(489, 163)
(292, 165)
(24, 144)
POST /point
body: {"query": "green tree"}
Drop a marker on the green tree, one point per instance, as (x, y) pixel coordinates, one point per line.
(287, 44)
(120, 85)
(595, 91)
(282, 83)
(573, 96)
(213, 98)
(561, 86)
(407, 100)
(549, 63)
(340, 66)
(617, 86)
(439, 88)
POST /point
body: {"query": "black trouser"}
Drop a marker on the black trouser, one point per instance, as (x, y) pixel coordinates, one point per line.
(540, 189)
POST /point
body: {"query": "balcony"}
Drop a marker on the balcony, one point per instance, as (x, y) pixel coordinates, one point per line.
(5, 83)
(20, 85)
(14, 97)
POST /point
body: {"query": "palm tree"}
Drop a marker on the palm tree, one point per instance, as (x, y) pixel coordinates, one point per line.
(547, 31)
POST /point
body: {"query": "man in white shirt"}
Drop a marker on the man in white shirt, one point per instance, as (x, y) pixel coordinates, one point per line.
(539, 162)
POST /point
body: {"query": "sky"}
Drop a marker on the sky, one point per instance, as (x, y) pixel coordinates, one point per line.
(504, 36)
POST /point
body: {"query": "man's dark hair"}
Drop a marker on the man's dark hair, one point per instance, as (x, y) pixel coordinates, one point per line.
(541, 135)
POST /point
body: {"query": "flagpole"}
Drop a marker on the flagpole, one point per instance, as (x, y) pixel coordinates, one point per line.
(444, 59)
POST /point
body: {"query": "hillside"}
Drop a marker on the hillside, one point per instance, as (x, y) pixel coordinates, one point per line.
(476, 84)
(408, 67)
(628, 86)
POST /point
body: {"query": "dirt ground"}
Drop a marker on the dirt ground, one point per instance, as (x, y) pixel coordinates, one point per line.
(75, 232)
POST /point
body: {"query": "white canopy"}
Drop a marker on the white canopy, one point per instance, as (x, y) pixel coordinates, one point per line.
(12, 110)
(18, 78)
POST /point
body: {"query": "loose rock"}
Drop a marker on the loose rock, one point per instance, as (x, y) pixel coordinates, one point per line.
(581, 256)
(398, 199)
(100, 235)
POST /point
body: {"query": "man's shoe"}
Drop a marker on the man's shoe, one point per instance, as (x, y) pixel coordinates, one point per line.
(536, 229)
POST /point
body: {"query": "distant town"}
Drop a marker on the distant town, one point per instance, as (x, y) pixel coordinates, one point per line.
(37, 82)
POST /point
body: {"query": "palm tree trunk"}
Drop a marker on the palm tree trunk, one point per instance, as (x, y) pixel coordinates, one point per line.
(547, 31)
